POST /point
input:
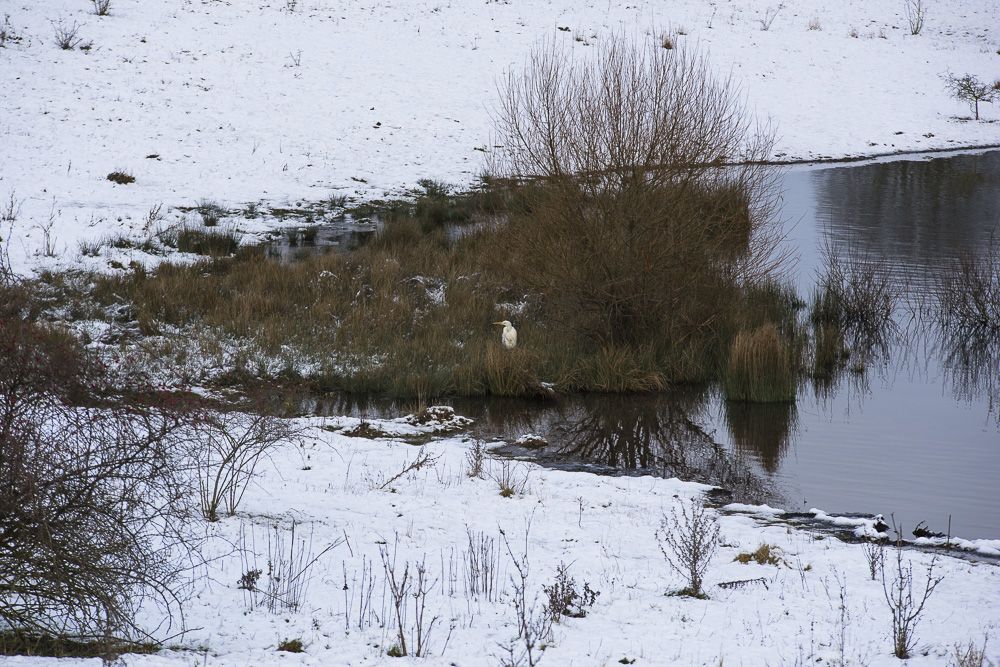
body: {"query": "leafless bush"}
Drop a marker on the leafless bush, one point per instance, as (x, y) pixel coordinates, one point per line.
(230, 445)
(475, 457)
(289, 567)
(972, 655)
(769, 15)
(481, 565)
(636, 175)
(101, 7)
(875, 557)
(66, 38)
(969, 88)
(361, 591)
(916, 12)
(509, 478)
(409, 583)
(11, 209)
(94, 523)
(564, 599)
(8, 214)
(533, 624)
(7, 33)
(857, 294)
(422, 459)
(968, 293)
(905, 603)
(691, 540)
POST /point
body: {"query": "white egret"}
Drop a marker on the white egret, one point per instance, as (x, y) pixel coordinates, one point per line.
(509, 334)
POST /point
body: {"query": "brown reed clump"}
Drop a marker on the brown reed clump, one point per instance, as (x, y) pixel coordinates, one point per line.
(759, 368)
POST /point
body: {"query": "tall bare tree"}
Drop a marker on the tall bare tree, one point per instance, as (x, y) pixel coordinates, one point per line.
(640, 179)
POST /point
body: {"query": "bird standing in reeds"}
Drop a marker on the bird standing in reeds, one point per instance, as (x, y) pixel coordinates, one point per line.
(509, 334)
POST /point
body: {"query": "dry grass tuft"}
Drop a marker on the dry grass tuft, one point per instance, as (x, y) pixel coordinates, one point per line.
(759, 368)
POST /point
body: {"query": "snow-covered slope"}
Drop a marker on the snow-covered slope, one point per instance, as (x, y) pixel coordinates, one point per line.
(287, 100)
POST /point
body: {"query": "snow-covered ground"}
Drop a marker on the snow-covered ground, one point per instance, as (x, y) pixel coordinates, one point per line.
(816, 604)
(283, 102)
(290, 100)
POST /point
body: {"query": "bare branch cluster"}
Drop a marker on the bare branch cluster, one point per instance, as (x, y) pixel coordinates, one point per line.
(916, 12)
(410, 581)
(533, 623)
(638, 173)
(688, 542)
(906, 600)
(229, 447)
(94, 517)
(968, 88)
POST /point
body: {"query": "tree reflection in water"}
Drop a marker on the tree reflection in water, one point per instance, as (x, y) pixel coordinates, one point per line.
(761, 430)
(656, 434)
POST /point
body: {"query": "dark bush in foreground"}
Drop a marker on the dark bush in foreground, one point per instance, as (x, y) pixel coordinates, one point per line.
(93, 509)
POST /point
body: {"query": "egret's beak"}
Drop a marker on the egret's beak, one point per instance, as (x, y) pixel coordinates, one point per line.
(498, 323)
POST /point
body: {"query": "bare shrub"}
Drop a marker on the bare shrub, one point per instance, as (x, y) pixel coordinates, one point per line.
(510, 478)
(639, 189)
(533, 623)
(230, 446)
(906, 603)
(66, 38)
(93, 488)
(769, 15)
(475, 457)
(970, 89)
(8, 214)
(101, 7)
(874, 551)
(7, 32)
(972, 655)
(916, 12)
(968, 293)
(409, 583)
(289, 567)
(423, 458)
(688, 542)
(481, 565)
(565, 599)
(856, 295)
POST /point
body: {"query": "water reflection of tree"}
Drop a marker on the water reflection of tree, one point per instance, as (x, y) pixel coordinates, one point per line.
(915, 213)
(657, 434)
(763, 430)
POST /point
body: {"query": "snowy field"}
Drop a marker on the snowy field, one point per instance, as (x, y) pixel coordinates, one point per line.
(285, 102)
(295, 100)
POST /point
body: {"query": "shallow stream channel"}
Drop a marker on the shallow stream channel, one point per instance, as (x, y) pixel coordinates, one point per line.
(912, 431)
